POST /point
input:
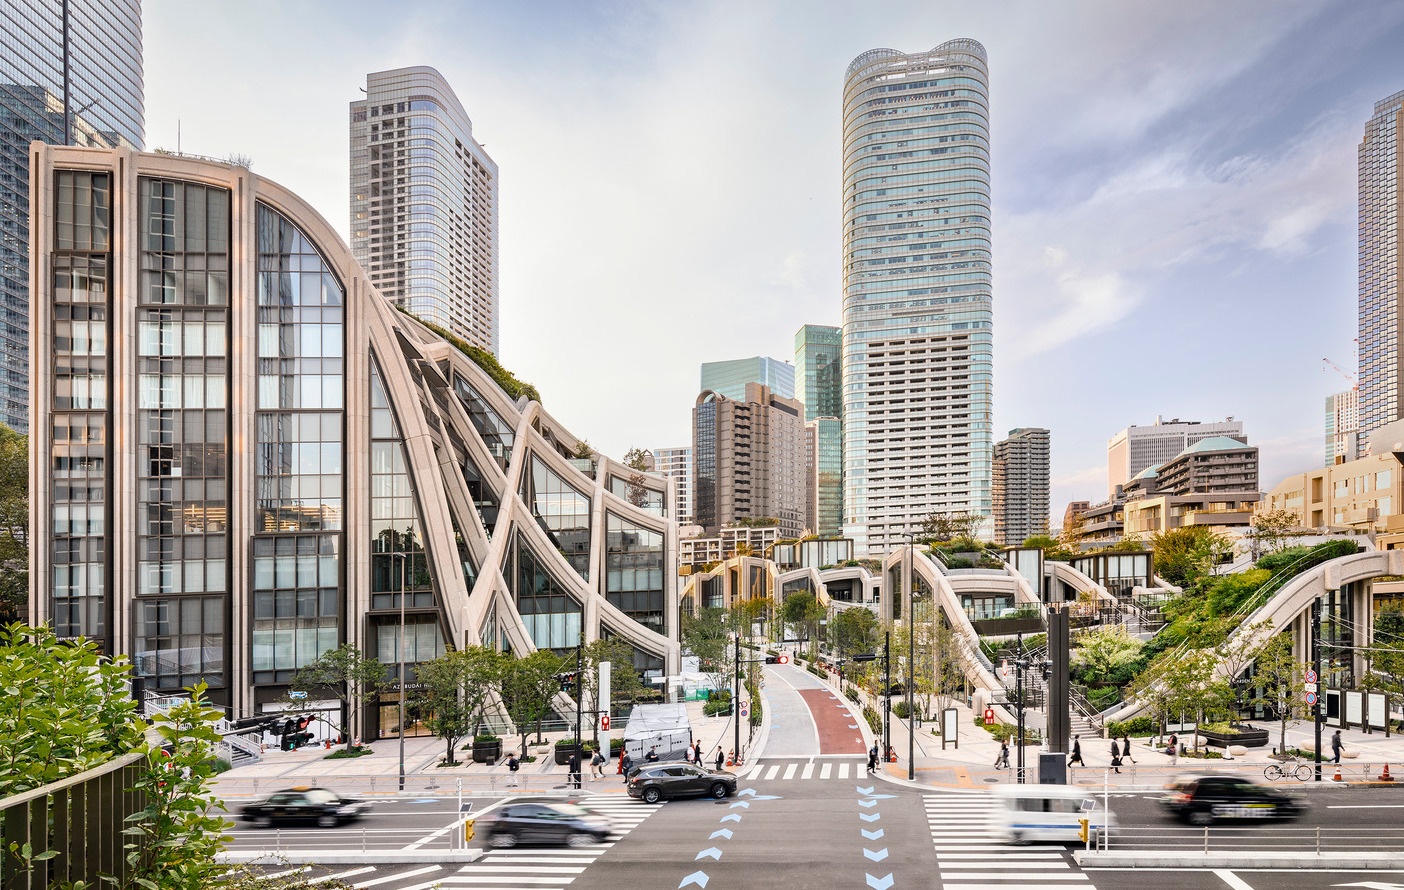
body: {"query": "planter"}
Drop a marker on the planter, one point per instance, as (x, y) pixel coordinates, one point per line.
(487, 752)
(1246, 736)
(563, 753)
(1008, 627)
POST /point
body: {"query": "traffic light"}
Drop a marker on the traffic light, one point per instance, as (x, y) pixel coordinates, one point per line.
(567, 681)
(784, 659)
(303, 722)
(867, 656)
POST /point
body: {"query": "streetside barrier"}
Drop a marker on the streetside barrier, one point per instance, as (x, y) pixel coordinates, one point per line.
(235, 787)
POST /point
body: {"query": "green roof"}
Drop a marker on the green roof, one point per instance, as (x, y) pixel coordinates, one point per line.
(1214, 443)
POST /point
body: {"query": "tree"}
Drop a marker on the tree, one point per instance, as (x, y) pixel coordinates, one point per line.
(1103, 654)
(529, 686)
(625, 684)
(1271, 529)
(1279, 680)
(1070, 535)
(1196, 686)
(454, 690)
(803, 609)
(854, 632)
(707, 635)
(348, 675)
(1386, 653)
(1052, 547)
(640, 462)
(1187, 554)
(947, 526)
(14, 521)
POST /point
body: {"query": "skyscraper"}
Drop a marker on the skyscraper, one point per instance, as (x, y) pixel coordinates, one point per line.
(819, 385)
(676, 464)
(103, 92)
(729, 378)
(917, 307)
(1342, 426)
(818, 371)
(1020, 484)
(1381, 398)
(748, 460)
(424, 199)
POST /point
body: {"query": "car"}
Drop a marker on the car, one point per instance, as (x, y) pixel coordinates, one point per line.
(323, 808)
(657, 781)
(541, 822)
(1202, 800)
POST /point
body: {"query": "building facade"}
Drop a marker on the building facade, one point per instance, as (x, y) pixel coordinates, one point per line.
(729, 378)
(1365, 495)
(1138, 447)
(237, 468)
(101, 102)
(424, 204)
(823, 462)
(1021, 480)
(1212, 482)
(819, 370)
(819, 387)
(675, 464)
(1381, 173)
(918, 315)
(748, 460)
(1342, 426)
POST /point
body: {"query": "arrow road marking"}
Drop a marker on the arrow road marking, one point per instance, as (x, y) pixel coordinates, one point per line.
(875, 883)
(866, 791)
(871, 835)
(882, 796)
(700, 879)
(875, 856)
(766, 797)
(869, 817)
(721, 832)
(750, 791)
(740, 803)
(867, 803)
(711, 852)
(731, 817)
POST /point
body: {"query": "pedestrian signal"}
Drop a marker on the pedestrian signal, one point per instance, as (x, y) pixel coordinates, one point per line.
(1083, 830)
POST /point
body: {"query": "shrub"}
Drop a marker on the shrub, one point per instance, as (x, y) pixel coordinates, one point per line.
(1134, 726)
(345, 753)
(853, 694)
(900, 711)
(714, 707)
(873, 717)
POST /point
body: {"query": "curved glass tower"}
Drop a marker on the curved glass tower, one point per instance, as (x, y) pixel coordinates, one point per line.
(917, 302)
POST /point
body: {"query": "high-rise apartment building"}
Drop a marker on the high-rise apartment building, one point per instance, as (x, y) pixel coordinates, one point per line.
(676, 464)
(918, 344)
(819, 387)
(1138, 447)
(1342, 426)
(424, 204)
(1381, 173)
(748, 460)
(1020, 477)
(729, 378)
(103, 94)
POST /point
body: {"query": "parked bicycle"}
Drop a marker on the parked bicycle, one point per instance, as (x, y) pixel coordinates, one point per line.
(1292, 768)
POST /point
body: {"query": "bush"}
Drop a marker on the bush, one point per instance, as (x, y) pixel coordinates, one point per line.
(486, 738)
(220, 765)
(853, 694)
(816, 671)
(873, 717)
(900, 711)
(1135, 726)
(345, 753)
(715, 707)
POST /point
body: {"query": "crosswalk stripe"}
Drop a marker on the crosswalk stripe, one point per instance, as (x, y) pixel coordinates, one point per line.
(773, 770)
(790, 771)
(341, 876)
(825, 769)
(535, 869)
(518, 879)
(1025, 886)
(999, 875)
(946, 856)
(754, 771)
(808, 771)
(1023, 864)
(843, 770)
(361, 885)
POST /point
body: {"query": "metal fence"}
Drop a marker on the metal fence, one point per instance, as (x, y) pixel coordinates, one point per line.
(80, 819)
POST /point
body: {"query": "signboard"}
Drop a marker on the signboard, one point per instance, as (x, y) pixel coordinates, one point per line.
(745, 709)
(989, 716)
(1311, 676)
(1310, 687)
(950, 728)
(1311, 698)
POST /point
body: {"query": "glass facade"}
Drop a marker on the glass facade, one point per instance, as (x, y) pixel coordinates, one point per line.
(704, 464)
(182, 462)
(632, 489)
(729, 378)
(549, 610)
(634, 572)
(298, 512)
(561, 511)
(399, 563)
(918, 304)
(106, 96)
(80, 311)
(818, 370)
(1380, 167)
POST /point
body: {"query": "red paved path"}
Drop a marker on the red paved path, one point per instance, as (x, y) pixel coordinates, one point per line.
(833, 720)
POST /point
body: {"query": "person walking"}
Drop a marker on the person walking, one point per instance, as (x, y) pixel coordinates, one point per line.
(1336, 746)
(1126, 748)
(1173, 749)
(597, 762)
(1002, 758)
(872, 759)
(697, 753)
(721, 758)
(1116, 756)
(573, 769)
(1076, 756)
(626, 764)
(513, 764)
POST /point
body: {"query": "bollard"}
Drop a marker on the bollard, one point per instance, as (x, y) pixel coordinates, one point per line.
(1318, 840)
(1206, 840)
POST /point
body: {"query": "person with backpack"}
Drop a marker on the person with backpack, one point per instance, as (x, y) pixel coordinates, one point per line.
(1002, 759)
(597, 763)
(513, 764)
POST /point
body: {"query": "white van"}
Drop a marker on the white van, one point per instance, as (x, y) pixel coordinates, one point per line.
(1024, 813)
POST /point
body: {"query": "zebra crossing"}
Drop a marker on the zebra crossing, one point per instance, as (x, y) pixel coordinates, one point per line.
(803, 769)
(969, 858)
(539, 868)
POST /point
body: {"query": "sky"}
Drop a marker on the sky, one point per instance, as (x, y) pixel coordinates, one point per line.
(1174, 187)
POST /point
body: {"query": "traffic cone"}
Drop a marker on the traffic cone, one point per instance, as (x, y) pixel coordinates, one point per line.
(1337, 776)
(1385, 776)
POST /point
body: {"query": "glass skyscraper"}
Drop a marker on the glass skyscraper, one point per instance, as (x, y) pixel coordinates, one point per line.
(729, 378)
(917, 305)
(104, 89)
(1379, 291)
(819, 385)
(424, 204)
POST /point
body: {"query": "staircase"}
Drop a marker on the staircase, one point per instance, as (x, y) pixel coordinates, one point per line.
(231, 746)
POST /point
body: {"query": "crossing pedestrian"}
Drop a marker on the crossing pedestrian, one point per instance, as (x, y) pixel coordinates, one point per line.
(1336, 747)
(1002, 758)
(1173, 750)
(513, 764)
(1126, 748)
(573, 769)
(1115, 756)
(697, 753)
(597, 762)
(1076, 756)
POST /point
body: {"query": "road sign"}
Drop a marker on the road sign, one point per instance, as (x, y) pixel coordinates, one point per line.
(1310, 676)
(745, 709)
(1310, 687)
(989, 716)
(1311, 698)
(604, 721)
(1004, 669)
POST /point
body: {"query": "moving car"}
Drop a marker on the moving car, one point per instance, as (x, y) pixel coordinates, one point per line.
(655, 781)
(541, 822)
(1024, 813)
(321, 807)
(1201, 800)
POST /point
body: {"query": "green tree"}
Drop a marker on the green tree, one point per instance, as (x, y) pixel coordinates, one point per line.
(1197, 687)
(1070, 535)
(707, 635)
(1052, 547)
(854, 631)
(1271, 529)
(1278, 677)
(453, 692)
(625, 684)
(1187, 554)
(1385, 653)
(352, 678)
(640, 462)
(1104, 654)
(941, 527)
(805, 610)
(529, 686)
(14, 521)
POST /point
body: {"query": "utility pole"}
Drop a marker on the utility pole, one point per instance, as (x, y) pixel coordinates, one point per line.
(886, 693)
(1019, 664)
(911, 664)
(736, 699)
(1316, 669)
(579, 688)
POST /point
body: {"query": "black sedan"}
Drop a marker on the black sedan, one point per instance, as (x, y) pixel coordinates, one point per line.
(1202, 800)
(316, 806)
(541, 822)
(656, 781)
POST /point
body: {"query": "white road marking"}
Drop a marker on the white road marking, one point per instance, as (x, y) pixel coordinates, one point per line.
(825, 769)
(342, 875)
(409, 874)
(1232, 879)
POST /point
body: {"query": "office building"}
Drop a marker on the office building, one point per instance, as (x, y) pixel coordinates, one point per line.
(103, 95)
(818, 370)
(1138, 447)
(236, 470)
(819, 387)
(748, 461)
(823, 461)
(918, 344)
(1342, 426)
(729, 378)
(1212, 482)
(424, 204)
(1020, 476)
(1381, 175)
(676, 464)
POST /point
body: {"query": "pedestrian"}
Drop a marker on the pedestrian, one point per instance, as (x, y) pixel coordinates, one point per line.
(1115, 756)
(1002, 759)
(626, 764)
(891, 755)
(720, 758)
(1076, 756)
(573, 768)
(513, 764)
(1336, 747)
(687, 753)
(1126, 748)
(1173, 750)
(697, 753)
(872, 759)
(597, 762)
(652, 754)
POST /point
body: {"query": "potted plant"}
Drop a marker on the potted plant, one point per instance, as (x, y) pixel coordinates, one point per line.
(565, 747)
(487, 748)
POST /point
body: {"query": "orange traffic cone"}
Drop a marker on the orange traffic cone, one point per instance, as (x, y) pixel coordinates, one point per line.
(1337, 776)
(1385, 776)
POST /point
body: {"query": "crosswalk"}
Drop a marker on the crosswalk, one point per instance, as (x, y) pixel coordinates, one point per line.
(539, 868)
(804, 769)
(969, 858)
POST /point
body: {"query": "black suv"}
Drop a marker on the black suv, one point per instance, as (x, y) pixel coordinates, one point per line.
(1201, 800)
(655, 781)
(326, 809)
(541, 822)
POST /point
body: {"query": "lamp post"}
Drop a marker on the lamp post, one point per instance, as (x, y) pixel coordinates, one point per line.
(579, 694)
(736, 699)
(911, 663)
(404, 588)
(886, 693)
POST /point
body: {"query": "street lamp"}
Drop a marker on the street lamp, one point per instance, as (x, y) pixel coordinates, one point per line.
(907, 568)
(404, 586)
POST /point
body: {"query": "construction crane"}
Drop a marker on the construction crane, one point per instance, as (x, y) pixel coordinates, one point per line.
(1350, 378)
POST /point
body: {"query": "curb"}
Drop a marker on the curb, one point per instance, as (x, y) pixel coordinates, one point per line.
(348, 857)
(1238, 860)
